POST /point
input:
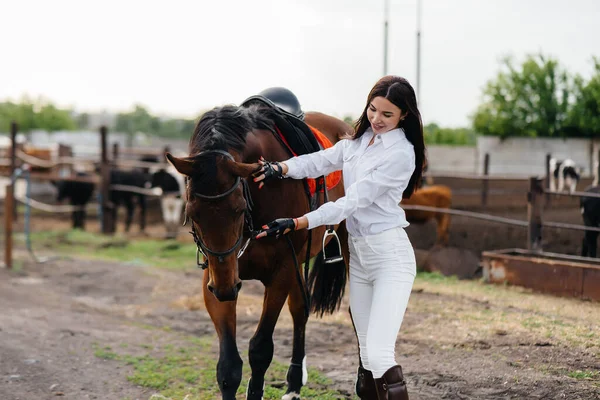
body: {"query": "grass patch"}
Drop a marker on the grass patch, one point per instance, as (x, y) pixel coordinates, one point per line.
(470, 310)
(168, 254)
(189, 372)
(587, 375)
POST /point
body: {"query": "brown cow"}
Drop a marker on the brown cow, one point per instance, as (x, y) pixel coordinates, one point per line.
(438, 196)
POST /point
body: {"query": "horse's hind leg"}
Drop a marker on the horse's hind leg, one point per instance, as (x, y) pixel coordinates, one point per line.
(229, 366)
(297, 374)
(260, 351)
(443, 224)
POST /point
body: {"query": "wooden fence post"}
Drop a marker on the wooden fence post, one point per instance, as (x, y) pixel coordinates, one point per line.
(14, 128)
(108, 223)
(115, 151)
(485, 183)
(534, 214)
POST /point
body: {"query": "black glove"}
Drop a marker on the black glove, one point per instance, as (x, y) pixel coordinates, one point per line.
(277, 228)
(269, 169)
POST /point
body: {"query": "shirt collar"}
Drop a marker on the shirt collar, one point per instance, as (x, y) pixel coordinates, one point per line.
(390, 137)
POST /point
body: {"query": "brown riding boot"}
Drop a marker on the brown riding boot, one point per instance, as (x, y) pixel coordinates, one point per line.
(392, 386)
(365, 385)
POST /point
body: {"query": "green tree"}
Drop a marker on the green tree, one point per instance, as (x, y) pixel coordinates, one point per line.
(434, 134)
(585, 114)
(140, 120)
(40, 114)
(531, 100)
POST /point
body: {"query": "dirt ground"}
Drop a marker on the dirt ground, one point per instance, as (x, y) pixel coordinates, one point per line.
(53, 315)
(457, 342)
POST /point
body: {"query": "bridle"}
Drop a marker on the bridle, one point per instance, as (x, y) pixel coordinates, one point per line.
(201, 247)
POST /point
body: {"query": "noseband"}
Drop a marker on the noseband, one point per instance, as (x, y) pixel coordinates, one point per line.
(201, 247)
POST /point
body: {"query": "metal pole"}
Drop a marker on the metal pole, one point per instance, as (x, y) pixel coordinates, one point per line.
(386, 12)
(8, 209)
(419, 51)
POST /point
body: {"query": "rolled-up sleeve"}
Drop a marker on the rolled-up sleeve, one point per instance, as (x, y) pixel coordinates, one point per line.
(317, 164)
(394, 172)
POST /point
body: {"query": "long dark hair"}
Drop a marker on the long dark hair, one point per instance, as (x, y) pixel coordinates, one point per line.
(400, 93)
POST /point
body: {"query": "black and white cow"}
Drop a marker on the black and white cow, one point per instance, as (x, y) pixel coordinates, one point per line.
(172, 199)
(590, 211)
(564, 174)
(80, 193)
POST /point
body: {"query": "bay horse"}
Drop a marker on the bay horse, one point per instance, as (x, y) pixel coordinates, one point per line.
(224, 205)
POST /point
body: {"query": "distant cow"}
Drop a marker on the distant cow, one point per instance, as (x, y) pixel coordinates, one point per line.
(590, 210)
(564, 173)
(438, 196)
(173, 194)
(79, 194)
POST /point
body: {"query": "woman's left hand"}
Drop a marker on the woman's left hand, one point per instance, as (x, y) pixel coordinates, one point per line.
(268, 170)
(277, 227)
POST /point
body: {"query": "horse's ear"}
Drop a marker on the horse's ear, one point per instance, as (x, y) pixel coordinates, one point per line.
(183, 165)
(242, 170)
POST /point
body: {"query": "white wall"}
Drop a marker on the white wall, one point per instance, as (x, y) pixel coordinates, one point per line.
(514, 156)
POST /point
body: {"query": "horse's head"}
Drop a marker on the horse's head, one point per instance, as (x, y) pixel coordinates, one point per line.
(217, 194)
(218, 206)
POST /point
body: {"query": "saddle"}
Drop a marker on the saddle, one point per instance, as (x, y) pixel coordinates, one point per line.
(283, 108)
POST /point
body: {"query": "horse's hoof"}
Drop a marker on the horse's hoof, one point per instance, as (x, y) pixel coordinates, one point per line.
(291, 396)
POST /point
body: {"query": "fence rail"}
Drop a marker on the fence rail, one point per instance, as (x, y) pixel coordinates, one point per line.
(469, 214)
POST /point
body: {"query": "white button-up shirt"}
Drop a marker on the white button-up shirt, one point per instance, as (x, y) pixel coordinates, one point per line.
(375, 177)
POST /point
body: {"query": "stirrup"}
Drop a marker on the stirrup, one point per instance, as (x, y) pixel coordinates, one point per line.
(336, 258)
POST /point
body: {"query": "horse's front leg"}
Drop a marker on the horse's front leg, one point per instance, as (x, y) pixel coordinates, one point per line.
(260, 351)
(297, 375)
(229, 366)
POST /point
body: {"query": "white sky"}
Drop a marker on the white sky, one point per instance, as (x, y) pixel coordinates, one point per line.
(179, 57)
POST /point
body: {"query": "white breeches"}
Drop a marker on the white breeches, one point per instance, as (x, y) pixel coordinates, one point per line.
(382, 272)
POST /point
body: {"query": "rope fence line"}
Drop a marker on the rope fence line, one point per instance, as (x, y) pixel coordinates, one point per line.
(54, 208)
(562, 225)
(493, 218)
(42, 163)
(573, 194)
(139, 164)
(469, 214)
(134, 189)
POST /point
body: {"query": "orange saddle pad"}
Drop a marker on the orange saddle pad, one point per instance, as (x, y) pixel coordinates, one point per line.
(333, 178)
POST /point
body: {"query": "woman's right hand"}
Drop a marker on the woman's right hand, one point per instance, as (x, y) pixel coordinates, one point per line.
(268, 170)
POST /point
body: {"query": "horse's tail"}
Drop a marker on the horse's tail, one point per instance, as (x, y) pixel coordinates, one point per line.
(327, 282)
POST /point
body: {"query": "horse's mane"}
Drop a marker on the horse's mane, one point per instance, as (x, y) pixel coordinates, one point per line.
(223, 128)
(226, 127)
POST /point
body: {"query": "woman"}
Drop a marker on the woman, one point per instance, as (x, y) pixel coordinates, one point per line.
(382, 163)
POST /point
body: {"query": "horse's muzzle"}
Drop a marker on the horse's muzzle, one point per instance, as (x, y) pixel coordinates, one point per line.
(226, 295)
